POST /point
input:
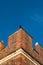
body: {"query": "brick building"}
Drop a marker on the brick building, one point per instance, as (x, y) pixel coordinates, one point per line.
(19, 50)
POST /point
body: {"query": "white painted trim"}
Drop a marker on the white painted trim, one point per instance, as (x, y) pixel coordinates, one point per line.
(16, 53)
(36, 44)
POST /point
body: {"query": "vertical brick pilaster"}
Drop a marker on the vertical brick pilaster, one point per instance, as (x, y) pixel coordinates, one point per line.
(1, 45)
(20, 39)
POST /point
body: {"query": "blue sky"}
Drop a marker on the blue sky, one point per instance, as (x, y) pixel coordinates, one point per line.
(28, 13)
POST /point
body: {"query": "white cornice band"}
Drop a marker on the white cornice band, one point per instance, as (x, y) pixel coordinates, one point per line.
(16, 53)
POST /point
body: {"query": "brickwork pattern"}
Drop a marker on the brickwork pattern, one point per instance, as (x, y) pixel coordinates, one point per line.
(20, 39)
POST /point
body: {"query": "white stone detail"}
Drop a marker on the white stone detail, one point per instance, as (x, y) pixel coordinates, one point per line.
(16, 53)
(36, 44)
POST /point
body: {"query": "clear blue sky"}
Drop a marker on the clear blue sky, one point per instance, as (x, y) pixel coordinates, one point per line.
(28, 13)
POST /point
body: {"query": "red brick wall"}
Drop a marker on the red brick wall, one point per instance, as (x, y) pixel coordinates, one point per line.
(1, 45)
(18, 60)
(21, 39)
